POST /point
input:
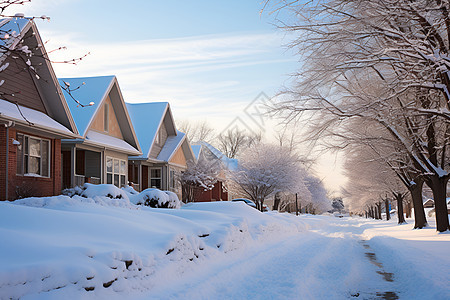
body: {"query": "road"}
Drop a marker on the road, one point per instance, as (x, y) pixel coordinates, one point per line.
(330, 261)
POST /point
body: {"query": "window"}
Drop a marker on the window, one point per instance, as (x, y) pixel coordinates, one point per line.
(106, 117)
(33, 156)
(172, 179)
(155, 178)
(158, 137)
(116, 170)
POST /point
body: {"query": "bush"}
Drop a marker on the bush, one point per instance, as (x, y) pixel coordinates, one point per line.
(156, 198)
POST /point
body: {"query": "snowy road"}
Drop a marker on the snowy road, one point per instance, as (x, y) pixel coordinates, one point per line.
(328, 262)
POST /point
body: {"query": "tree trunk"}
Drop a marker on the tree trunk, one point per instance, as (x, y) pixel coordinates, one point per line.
(296, 204)
(420, 219)
(386, 206)
(379, 210)
(401, 216)
(438, 186)
(408, 209)
(276, 201)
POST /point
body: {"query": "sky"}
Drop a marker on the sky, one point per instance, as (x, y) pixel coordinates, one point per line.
(213, 61)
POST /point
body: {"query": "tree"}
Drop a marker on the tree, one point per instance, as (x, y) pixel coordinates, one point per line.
(199, 176)
(234, 141)
(385, 61)
(19, 48)
(198, 131)
(337, 204)
(266, 169)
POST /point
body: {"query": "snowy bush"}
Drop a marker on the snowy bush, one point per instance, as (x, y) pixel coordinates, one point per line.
(130, 190)
(156, 198)
(100, 190)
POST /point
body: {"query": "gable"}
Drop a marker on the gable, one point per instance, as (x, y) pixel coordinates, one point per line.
(19, 81)
(179, 158)
(98, 122)
(156, 147)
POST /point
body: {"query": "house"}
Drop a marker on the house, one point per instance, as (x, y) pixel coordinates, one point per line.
(165, 149)
(107, 134)
(206, 152)
(429, 203)
(34, 116)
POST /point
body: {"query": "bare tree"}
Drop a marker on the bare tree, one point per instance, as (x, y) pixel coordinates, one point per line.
(234, 141)
(197, 131)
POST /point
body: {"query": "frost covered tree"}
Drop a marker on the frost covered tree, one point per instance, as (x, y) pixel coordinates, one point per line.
(199, 176)
(319, 199)
(266, 169)
(380, 60)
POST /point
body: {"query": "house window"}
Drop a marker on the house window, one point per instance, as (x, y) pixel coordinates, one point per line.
(106, 117)
(33, 156)
(172, 179)
(155, 178)
(116, 170)
(158, 137)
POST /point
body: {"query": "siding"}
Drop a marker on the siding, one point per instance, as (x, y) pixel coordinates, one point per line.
(19, 82)
(113, 125)
(157, 148)
(179, 158)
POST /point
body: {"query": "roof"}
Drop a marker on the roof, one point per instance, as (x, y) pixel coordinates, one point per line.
(25, 31)
(92, 89)
(171, 145)
(95, 90)
(147, 119)
(11, 25)
(40, 120)
(230, 163)
(196, 150)
(110, 142)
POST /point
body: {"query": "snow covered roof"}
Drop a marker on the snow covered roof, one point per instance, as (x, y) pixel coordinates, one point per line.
(147, 118)
(24, 31)
(94, 89)
(9, 111)
(196, 150)
(171, 145)
(230, 163)
(12, 27)
(97, 90)
(110, 142)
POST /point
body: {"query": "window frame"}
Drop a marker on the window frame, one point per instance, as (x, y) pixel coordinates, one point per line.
(106, 117)
(118, 173)
(26, 155)
(155, 178)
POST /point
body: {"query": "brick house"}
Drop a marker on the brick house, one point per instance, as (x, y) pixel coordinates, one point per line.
(34, 116)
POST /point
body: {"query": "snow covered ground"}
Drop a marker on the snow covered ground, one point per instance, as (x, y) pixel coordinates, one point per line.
(101, 248)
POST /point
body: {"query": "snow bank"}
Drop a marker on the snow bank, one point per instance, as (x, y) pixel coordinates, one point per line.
(127, 195)
(76, 247)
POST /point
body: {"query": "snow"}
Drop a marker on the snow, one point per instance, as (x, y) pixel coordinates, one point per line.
(230, 163)
(146, 119)
(82, 248)
(196, 150)
(9, 26)
(92, 89)
(110, 142)
(171, 145)
(10, 111)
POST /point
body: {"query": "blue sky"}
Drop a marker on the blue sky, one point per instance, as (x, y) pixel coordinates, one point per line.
(209, 59)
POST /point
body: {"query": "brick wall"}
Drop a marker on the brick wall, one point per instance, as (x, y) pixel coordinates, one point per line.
(26, 186)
